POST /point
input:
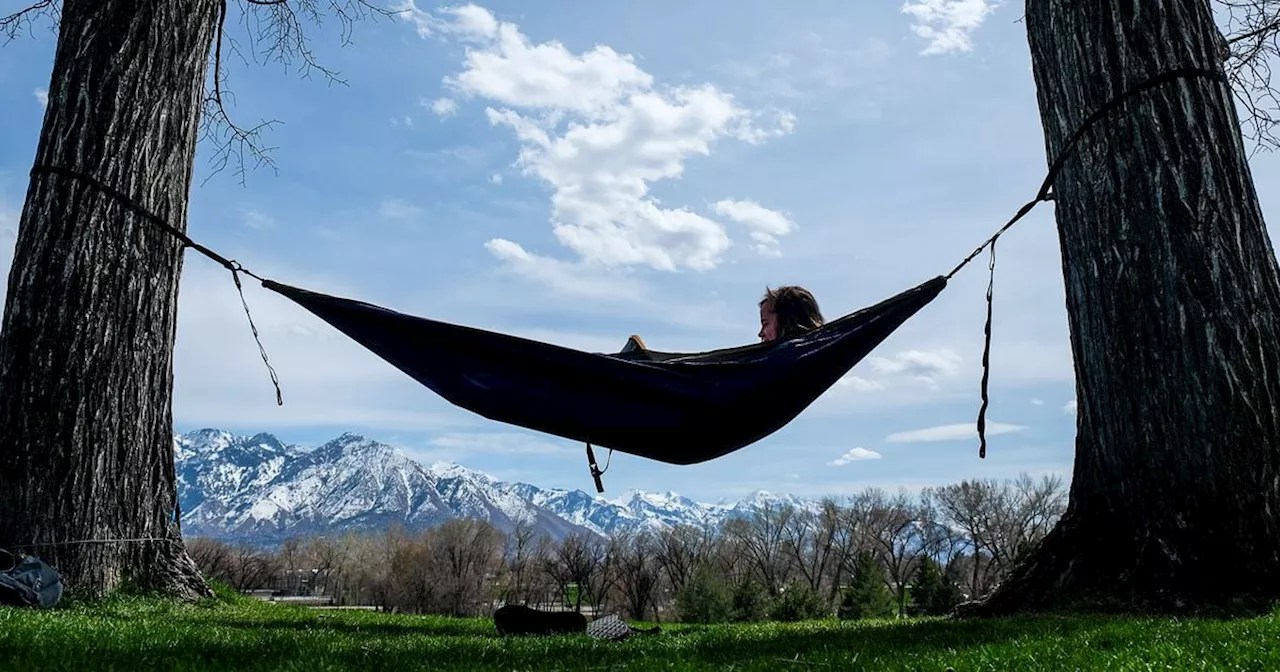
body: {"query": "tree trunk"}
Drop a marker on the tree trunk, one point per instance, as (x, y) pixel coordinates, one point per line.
(86, 351)
(1173, 295)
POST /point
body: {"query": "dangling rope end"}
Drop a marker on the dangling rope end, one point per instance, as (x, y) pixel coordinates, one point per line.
(236, 270)
(986, 359)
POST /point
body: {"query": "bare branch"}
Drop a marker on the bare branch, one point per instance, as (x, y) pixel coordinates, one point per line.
(24, 18)
(277, 25)
(1249, 45)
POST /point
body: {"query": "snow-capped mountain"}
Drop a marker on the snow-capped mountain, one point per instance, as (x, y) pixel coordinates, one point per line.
(260, 490)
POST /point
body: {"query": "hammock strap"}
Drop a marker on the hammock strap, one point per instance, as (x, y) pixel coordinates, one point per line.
(596, 471)
(1046, 194)
(229, 264)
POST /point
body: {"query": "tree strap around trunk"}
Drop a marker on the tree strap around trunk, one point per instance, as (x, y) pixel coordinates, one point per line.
(1046, 194)
(229, 264)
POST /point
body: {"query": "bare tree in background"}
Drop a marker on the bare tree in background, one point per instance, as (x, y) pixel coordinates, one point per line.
(252, 568)
(520, 563)
(679, 551)
(289, 553)
(762, 538)
(86, 344)
(896, 541)
(327, 557)
(854, 522)
(971, 506)
(942, 542)
(578, 560)
(639, 573)
(214, 559)
(812, 538)
(465, 553)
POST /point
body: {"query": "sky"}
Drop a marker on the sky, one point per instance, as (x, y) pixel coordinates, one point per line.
(585, 171)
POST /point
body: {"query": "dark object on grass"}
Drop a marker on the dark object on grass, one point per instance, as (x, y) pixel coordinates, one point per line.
(30, 583)
(515, 619)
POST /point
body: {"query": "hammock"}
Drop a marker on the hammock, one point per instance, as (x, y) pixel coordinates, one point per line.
(678, 408)
(671, 407)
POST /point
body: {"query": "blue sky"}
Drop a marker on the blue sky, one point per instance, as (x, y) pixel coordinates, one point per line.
(582, 172)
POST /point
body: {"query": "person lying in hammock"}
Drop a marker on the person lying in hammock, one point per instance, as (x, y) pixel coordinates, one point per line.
(785, 312)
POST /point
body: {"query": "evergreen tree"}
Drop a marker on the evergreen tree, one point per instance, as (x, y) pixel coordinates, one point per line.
(867, 596)
(932, 593)
(705, 598)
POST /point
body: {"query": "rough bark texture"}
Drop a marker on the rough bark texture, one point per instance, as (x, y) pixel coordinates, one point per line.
(1174, 301)
(86, 350)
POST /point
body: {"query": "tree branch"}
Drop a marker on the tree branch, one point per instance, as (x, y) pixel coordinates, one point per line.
(13, 23)
(282, 33)
(1248, 47)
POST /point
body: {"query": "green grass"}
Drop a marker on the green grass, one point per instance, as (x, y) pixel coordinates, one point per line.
(232, 633)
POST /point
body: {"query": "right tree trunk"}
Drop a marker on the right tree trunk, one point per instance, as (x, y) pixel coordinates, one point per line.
(86, 350)
(1173, 295)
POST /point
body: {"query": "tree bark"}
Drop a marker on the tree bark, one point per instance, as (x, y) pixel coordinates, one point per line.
(86, 350)
(1173, 296)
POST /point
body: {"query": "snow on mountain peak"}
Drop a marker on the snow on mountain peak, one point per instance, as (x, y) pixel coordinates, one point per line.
(451, 469)
(261, 490)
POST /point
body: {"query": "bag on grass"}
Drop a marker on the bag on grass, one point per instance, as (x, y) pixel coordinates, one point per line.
(30, 583)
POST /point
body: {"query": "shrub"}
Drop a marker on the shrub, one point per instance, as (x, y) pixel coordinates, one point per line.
(750, 603)
(932, 593)
(798, 602)
(704, 599)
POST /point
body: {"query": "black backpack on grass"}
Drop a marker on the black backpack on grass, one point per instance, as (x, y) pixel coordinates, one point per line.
(30, 583)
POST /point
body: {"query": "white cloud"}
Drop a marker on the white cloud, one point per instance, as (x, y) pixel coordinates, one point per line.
(258, 221)
(956, 432)
(444, 107)
(764, 224)
(1070, 408)
(395, 208)
(42, 95)
(926, 366)
(422, 21)
(561, 276)
(947, 24)
(1037, 402)
(507, 443)
(495, 178)
(855, 454)
(859, 384)
(598, 130)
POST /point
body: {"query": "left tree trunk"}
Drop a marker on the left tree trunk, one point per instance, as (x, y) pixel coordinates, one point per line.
(86, 349)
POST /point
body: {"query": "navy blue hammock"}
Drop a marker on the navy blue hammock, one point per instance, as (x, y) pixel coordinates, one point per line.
(678, 408)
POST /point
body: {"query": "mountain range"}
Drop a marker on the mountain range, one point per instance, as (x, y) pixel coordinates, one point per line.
(259, 490)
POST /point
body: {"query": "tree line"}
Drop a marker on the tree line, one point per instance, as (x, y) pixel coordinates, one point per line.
(865, 555)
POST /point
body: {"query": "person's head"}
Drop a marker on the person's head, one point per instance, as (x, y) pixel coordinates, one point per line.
(788, 311)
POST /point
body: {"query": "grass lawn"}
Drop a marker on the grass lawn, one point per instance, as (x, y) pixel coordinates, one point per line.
(242, 634)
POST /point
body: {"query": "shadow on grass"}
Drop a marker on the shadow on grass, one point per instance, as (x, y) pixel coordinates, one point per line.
(230, 641)
(406, 626)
